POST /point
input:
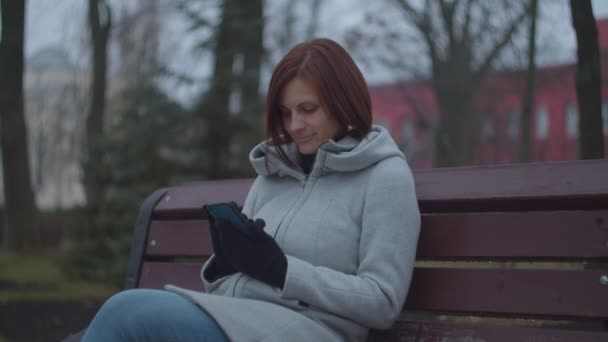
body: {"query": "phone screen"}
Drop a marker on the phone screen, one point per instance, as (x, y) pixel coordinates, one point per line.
(227, 212)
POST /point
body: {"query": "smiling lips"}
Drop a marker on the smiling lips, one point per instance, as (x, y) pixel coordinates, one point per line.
(303, 139)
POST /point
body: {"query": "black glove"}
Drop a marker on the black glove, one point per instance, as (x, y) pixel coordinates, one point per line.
(220, 267)
(260, 258)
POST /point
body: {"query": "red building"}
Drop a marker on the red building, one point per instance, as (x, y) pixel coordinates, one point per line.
(409, 110)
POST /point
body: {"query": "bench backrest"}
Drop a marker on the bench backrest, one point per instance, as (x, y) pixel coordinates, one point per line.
(508, 247)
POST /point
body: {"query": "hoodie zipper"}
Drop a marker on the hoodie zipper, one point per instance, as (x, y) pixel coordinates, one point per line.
(304, 190)
(304, 181)
(289, 214)
(303, 184)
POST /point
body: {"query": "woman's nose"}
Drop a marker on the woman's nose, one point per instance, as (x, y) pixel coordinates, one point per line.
(296, 123)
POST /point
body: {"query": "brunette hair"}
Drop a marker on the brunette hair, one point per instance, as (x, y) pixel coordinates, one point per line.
(341, 88)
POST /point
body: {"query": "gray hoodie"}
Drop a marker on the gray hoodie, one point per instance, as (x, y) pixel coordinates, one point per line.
(349, 229)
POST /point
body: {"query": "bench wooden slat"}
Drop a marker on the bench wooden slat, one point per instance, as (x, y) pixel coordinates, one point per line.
(555, 234)
(564, 293)
(549, 293)
(154, 275)
(185, 202)
(179, 238)
(571, 185)
(573, 234)
(583, 178)
(432, 331)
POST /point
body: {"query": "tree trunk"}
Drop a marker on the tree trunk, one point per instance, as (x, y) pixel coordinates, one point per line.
(239, 35)
(529, 92)
(588, 81)
(99, 28)
(253, 51)
(454, 87)
(453, 135)
(450, 39)
(22, 232)
(215, 107)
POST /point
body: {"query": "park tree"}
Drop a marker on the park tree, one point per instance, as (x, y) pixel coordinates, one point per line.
(246, 85)
(230, 108)
(140, 144)
(462, 40)
(22, 233)
(288, 23)
(100, 23)
(138, 34)
(588, 81)
(525, 135)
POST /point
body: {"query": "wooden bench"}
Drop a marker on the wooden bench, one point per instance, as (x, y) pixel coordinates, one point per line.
(506, 253)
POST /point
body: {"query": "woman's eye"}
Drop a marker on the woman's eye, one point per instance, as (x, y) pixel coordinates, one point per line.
(309, 109)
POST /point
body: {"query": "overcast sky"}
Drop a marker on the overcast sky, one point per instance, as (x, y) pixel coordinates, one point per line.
(49, 22)
(61, 22)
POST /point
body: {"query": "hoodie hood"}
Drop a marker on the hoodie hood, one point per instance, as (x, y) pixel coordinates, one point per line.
(346, 155)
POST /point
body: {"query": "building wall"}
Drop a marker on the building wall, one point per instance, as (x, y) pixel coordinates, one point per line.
(56, 113)
(409, 109)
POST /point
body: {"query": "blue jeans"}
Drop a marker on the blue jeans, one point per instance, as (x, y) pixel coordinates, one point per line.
(152, 315)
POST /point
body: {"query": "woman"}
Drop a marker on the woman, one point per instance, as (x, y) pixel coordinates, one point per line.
(336, 222)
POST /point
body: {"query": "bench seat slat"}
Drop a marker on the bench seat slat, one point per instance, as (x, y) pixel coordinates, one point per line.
(575, 294)
(559, 293)
(189, 238)
(154, 275)
(432, 331)
(582, 178)
(185, 202)
(536, 186)
(556, 234)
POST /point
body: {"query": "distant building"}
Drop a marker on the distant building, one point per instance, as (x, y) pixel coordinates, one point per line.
(55, 108)
(55, 105)
(409, 110)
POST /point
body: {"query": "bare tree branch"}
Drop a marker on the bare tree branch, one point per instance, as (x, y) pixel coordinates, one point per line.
(447, 13)
(195, 20)
(421, 21)
(506, 37)
(411, 12)
(466, 26)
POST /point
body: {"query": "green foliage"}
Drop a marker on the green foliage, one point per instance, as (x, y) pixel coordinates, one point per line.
(99, 246)
(147, 141)
(140, 154)
(37, 277)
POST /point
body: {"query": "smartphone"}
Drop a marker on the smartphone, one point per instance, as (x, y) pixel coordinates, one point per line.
(229, 213)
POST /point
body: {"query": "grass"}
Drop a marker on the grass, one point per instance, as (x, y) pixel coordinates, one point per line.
(39, 278)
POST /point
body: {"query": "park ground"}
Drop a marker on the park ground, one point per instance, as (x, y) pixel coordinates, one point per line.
(38, 303)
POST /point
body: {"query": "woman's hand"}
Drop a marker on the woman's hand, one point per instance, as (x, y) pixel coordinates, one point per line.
(220, 266)
(260, 258)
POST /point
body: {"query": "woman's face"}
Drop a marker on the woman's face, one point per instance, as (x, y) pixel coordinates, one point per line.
(304, 119)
